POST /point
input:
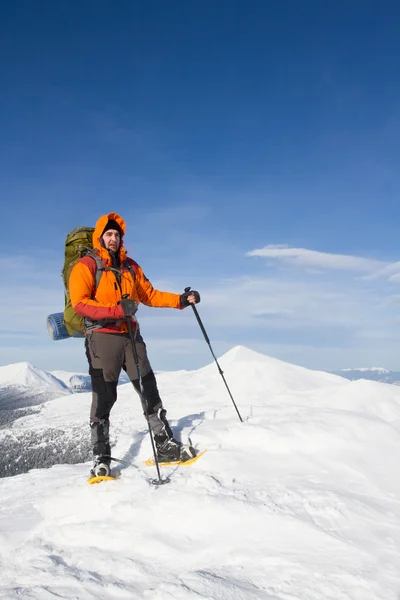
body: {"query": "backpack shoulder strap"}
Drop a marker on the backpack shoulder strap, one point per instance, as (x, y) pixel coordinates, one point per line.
(100, 266)
(131, 268)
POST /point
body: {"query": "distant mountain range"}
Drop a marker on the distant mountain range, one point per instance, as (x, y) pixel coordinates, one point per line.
(24, 387)
(372, 374)
(25, 391)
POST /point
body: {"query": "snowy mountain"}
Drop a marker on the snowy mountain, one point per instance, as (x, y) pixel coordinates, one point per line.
(301, 501)
(80, 382)
(26, 375)
(372, 374)
(76, 382)
(22, 387)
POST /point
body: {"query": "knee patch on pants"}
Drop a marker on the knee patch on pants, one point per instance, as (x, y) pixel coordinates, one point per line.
(103, 402)
(98, 383)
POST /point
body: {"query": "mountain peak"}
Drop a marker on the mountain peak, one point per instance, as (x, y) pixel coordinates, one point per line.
(250, 372)
(243, 353)
(27, 375)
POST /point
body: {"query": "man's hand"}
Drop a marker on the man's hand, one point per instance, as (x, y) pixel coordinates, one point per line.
(190, 297)
(128, 306)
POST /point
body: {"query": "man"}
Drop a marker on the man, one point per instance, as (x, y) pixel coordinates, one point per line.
(108, 345)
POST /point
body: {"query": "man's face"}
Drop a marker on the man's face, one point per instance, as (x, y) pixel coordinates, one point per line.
(112, 240)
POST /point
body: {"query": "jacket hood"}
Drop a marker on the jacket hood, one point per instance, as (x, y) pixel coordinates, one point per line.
(98, 230)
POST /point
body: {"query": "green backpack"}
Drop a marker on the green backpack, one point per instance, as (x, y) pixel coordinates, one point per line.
(77, 244)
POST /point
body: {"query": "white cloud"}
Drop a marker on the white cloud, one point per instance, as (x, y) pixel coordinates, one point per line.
(286, 303)
(390, 271)
(392, 300)
(306, 259)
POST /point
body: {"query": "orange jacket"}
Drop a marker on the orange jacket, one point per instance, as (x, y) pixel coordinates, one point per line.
(102, 303)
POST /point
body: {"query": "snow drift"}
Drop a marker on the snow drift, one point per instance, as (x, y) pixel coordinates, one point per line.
(299, 502)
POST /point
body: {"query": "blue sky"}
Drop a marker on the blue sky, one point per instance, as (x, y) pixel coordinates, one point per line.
(253, 149)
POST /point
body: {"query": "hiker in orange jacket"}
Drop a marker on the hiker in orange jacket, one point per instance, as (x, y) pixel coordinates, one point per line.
(108, 345)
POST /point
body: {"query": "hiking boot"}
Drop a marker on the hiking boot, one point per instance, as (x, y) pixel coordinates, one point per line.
(187, 452)
(101, 466)
(170, 450)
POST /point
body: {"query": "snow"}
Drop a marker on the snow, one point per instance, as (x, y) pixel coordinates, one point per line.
(299, 502)
(26, 375)
(73, 380)
(79, 381)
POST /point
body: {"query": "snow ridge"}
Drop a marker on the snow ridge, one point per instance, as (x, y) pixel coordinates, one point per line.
(26, 375)
(296, 502)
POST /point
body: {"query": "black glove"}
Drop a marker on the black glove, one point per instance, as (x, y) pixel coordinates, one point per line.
(129, 306)
(184, 298)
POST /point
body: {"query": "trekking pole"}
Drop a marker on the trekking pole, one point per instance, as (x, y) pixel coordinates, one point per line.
(158, 481)
(196, 314)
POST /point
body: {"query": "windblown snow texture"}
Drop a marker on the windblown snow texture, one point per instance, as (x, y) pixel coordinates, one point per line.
(299, 502)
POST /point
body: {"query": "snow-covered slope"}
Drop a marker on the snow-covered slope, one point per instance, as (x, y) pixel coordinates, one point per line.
(299, 502)
(23, 387)
(26, 375)
(76, 382)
